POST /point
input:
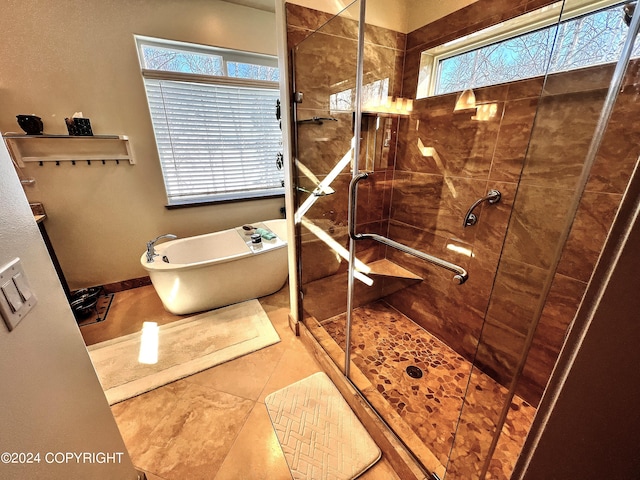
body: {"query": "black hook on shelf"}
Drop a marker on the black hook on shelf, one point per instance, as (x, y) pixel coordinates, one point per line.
(73, 162)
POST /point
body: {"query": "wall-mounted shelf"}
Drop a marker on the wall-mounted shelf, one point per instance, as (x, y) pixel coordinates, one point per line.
(67, 148)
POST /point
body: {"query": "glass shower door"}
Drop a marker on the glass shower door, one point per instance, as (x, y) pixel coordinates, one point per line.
(581, 152)
(456, 371)
(324, 77)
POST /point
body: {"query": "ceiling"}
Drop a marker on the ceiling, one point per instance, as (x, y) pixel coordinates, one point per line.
(266, 5)
(401, 15)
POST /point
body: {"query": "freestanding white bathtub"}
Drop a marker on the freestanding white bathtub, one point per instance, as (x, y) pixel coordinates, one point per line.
(217, 269)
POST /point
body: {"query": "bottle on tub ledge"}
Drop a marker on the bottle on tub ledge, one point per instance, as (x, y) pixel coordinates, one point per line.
(256, 242)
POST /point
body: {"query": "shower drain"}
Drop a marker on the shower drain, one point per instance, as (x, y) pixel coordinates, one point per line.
(414, 372)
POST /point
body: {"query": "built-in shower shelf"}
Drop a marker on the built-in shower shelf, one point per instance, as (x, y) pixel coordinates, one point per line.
(387, 268)
(388, 277)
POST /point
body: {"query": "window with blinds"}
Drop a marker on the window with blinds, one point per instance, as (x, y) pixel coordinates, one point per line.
(217, 135)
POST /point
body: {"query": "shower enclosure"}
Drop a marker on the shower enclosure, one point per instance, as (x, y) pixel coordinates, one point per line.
(443, 250)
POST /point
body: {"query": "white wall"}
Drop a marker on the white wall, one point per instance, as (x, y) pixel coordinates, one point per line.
(66, 56)
(52, 400)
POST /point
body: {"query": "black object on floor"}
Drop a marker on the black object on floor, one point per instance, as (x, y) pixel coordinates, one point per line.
(413, 371)
(83, 302)
(98, 313)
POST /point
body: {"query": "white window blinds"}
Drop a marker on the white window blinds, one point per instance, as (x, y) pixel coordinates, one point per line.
(215, 142)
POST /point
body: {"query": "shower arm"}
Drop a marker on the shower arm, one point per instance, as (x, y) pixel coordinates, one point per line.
(461, 274)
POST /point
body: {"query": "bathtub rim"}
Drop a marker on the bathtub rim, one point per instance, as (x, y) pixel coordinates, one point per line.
(160, 266)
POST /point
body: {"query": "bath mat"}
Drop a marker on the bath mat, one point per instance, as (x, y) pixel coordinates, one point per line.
(320, 436)
(183, 348)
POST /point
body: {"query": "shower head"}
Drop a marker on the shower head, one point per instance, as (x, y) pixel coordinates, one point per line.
(629, 8)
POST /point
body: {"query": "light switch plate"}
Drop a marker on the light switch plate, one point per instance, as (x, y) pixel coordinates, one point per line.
(16, 297)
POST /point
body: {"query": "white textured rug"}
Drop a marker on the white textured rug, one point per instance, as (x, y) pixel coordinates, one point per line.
(320, 436)
(184, 347)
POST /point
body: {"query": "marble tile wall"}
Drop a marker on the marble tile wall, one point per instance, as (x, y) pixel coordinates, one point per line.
(429, 195)
(324, 58)
(420, 200)
(559, 143)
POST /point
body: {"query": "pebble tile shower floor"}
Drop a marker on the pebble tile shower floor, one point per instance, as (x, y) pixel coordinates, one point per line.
(385, 343)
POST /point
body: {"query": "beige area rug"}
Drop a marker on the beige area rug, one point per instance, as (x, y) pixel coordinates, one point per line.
(320, 436)
(185, 347)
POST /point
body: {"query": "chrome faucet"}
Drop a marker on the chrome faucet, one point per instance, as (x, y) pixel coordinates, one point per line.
(151, 251)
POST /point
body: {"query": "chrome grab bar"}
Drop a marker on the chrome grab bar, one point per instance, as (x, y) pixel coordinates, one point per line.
(471, 218)
(461, 274)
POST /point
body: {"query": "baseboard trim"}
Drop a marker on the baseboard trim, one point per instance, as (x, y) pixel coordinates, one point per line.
(126, 284)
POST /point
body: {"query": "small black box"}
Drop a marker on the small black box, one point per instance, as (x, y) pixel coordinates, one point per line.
(79, 126)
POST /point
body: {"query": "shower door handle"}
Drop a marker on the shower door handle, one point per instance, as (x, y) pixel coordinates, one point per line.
(461, 274)
(470, 218)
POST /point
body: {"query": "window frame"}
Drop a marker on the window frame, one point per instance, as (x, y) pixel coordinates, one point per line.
(183, 77)
(431, 58)
(227, 55)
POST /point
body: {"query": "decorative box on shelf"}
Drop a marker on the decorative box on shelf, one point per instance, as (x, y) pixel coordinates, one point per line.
(65, 148)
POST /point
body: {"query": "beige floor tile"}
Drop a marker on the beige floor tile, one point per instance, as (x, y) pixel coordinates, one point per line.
(296, 364)
(278, 300)
(277, 308)
(245, 376)
(152, 476)
(213, 425)
(282, 327)
(139, 416)
(129, 310)
(256, 453)
(193, 440)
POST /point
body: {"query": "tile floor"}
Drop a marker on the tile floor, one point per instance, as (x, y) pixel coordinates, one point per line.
(384, 343)
(212, 425)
